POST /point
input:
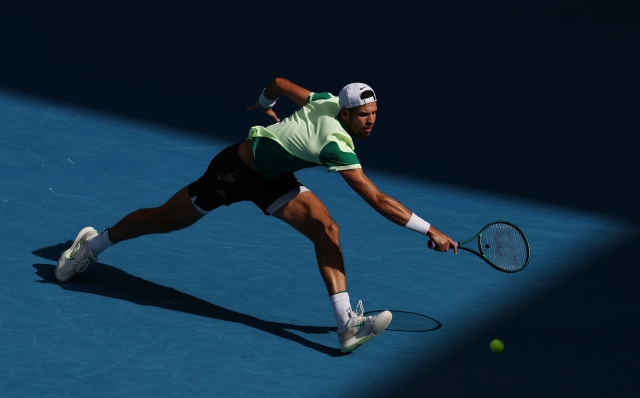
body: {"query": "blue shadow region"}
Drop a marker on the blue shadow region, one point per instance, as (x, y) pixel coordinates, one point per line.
(529, 104)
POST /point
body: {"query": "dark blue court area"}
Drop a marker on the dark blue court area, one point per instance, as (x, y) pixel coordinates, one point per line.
(521, 111)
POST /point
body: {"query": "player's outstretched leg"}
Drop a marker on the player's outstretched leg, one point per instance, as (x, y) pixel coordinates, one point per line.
(308, 214)
(177, 213)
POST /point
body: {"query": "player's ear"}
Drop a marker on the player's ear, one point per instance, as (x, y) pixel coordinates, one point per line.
(344, 114)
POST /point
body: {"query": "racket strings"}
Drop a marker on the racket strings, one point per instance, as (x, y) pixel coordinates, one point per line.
(505, 246)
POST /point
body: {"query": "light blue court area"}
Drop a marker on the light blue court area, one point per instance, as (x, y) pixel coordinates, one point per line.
(234, 306)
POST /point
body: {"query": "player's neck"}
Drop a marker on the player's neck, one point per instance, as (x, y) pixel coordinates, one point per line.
(344, 125)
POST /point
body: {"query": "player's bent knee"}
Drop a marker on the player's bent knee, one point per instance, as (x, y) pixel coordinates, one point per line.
(326, 232)
(332, 230)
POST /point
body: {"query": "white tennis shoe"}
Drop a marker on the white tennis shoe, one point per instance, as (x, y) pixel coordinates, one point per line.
(77, 257)
(361, 329)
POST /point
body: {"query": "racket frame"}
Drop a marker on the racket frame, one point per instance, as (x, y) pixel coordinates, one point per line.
(480, 253)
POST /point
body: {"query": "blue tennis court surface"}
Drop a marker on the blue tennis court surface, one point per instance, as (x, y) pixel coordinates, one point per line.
(234, 306)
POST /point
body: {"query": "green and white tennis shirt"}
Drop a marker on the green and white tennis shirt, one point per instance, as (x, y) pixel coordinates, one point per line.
(310, 137)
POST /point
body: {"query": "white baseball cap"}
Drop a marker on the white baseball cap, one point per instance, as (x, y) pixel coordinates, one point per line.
(349, 96)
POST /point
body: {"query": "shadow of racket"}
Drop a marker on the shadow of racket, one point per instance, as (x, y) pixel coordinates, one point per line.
(405, 321)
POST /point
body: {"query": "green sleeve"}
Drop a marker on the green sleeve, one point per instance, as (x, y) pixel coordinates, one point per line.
(319, 96)
(335, 159)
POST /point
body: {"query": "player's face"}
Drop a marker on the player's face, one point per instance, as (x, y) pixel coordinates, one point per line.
(362, 119)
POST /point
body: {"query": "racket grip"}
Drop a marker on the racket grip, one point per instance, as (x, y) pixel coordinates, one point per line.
(432, 245)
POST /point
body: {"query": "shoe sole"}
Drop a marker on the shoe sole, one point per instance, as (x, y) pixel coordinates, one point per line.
(81, 235)
(379, 327)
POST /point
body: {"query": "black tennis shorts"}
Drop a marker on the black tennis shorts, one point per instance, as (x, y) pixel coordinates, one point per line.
(228, 180)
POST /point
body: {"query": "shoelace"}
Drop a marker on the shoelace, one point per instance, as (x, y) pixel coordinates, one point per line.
(358, 312)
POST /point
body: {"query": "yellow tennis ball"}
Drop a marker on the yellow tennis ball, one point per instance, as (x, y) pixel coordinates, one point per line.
(497, 346)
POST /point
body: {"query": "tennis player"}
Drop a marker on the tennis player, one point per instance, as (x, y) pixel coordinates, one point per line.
(260, 169)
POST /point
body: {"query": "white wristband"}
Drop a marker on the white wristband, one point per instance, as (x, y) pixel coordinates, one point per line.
(417, 224)
(266, 102)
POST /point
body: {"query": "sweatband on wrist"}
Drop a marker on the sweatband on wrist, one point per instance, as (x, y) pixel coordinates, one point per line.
(417, 224)
(266, 102)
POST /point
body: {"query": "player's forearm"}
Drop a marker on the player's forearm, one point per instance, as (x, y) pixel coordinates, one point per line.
(391, 209)
(282, 87)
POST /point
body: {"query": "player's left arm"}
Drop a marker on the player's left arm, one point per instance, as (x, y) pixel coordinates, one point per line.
(389, 207)
(281, 87)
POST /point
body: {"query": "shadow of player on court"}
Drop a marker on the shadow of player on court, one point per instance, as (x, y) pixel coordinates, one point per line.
(106, 280)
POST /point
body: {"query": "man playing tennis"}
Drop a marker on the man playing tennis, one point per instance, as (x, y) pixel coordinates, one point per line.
(260, 169)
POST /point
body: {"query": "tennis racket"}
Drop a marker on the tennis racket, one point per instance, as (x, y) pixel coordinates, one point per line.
(501, 244)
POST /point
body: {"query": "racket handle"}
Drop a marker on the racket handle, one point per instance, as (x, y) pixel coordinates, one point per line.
(432, 245)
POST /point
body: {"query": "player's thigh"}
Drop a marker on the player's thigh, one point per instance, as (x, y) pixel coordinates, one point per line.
(180, 209)
(309, 215)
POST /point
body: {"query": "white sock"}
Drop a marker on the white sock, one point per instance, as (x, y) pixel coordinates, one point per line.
(99, 243)
(341, 306)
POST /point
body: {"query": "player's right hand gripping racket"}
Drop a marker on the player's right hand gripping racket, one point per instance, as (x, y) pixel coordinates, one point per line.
(501, 244)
